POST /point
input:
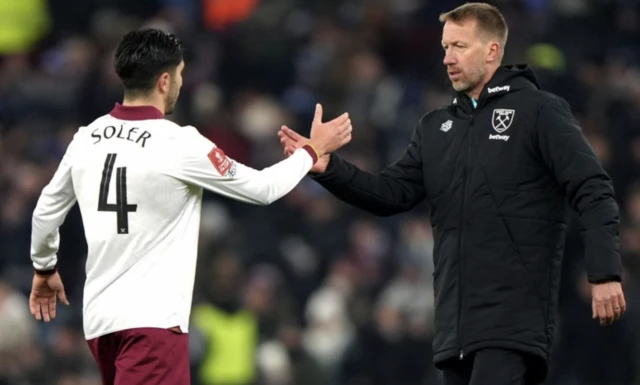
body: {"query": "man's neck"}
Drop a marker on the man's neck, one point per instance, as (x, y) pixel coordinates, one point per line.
(475, 93)
(137, 102)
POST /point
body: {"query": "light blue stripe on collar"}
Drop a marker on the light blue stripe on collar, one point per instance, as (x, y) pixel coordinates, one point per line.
(473, 101)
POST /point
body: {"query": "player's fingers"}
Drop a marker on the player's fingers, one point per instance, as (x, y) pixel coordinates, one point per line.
(289, 133)
(33, 306)
(44, 307)
(38, 313)
(317, 117)
(594, 310)
(287, 143)
(63, 297)
(51, 303)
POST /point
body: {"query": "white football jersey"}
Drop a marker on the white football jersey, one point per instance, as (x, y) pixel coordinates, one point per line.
(138, 180)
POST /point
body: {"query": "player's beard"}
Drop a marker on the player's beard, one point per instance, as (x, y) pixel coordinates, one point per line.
(172, 99)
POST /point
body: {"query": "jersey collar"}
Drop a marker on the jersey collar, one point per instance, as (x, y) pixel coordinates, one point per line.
(135, 112)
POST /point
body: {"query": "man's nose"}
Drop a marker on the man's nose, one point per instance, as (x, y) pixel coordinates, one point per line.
(449, 58)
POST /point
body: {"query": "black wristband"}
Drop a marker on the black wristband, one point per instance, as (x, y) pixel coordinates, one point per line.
(46, 273)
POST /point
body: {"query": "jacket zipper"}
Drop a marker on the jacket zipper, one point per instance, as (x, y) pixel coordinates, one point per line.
(461, 243)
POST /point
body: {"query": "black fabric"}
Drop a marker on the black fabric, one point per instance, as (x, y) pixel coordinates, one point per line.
(489, 366)
(498, 181)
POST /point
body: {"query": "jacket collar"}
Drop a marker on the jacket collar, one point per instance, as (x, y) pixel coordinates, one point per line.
(506, 79)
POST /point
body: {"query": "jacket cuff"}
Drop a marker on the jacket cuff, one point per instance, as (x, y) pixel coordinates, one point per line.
(612, 278)
(603, 261)
(330, 173)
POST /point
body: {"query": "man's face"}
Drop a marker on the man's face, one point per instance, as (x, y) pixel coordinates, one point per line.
(174, 90)
(465, 54)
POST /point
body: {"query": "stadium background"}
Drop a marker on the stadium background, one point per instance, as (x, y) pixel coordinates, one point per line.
(305, 291)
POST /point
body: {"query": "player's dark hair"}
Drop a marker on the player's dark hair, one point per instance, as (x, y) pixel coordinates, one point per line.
(143, 55)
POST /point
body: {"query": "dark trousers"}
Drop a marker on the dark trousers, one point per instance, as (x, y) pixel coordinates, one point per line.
(487, 367)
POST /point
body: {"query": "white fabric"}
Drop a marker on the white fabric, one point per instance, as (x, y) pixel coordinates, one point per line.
(141, 273)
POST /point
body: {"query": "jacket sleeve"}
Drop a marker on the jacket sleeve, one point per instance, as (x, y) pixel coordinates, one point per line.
(56, 199)
(587, 186)
(398, 188)
(200, 162)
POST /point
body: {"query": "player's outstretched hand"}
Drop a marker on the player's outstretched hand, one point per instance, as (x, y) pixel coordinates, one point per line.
(608, 303)
(291, 140)
(44, 294)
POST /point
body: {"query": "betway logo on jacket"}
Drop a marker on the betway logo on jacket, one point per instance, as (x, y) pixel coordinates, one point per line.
(498, 89)
(499, 137)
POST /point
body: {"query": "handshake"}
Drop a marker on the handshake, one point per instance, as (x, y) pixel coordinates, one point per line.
(325, 138)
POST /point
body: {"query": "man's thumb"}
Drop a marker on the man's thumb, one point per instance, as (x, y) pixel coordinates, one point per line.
(317, 118)
(63, 297)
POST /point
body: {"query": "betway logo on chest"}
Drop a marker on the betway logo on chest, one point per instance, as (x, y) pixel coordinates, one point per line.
(499, 137)
(498, 89)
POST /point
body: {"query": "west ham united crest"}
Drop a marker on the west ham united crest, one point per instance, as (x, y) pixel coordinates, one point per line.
(502, 119)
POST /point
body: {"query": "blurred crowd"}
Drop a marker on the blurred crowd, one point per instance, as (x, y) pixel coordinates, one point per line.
(307, 290)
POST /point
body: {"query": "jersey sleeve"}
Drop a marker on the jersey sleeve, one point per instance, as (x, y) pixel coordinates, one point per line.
(200, 162)
(54, 203)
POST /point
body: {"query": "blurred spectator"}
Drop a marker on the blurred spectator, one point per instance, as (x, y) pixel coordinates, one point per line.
(228, 328)
(329, 329)
(306, 291)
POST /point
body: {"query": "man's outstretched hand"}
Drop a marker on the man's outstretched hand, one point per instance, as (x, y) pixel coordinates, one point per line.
(330, 136)
(44, 293)
(608, 303)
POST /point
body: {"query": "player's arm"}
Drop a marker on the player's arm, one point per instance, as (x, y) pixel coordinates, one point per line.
(201, 163)
(398, 188)
(589, 189)
(207, 166)
(54, 204)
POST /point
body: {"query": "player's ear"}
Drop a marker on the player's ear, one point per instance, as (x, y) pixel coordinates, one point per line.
(164, 82)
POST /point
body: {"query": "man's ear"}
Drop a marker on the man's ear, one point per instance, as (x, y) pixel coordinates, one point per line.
(493, 52)
(164, 82)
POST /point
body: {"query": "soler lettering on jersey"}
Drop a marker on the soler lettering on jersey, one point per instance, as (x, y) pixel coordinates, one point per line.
(131, 134)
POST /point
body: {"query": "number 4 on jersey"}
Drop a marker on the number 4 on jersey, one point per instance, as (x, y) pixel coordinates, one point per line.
(121, 207)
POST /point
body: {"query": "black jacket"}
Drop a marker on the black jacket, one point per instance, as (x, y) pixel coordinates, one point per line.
(498, 180)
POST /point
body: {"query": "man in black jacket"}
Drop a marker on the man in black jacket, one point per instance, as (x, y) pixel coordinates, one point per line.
(497, 167)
